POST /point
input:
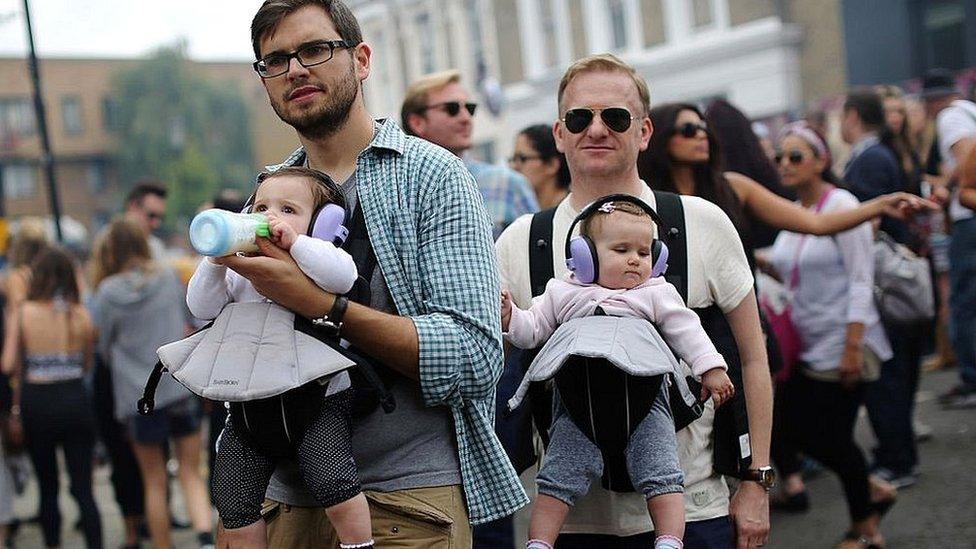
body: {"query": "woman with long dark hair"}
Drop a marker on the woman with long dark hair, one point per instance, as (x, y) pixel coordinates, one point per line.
(684, 157)
(48, 349)
(535, 156)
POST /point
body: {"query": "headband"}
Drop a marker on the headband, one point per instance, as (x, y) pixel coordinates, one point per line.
(803, 131)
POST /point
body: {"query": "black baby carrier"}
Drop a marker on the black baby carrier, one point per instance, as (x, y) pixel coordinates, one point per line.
(625, 399)
(275, 368)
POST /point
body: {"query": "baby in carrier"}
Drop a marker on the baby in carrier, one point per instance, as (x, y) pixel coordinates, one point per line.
(620, 276)
(292, 199)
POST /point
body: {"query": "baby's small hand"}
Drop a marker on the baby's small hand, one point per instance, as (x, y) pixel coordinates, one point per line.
(717, 383)
(281, 233)
(506, 309)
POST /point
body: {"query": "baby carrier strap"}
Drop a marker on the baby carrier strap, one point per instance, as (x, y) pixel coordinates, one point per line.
(732, 452)
(607, 404)
(368, 381)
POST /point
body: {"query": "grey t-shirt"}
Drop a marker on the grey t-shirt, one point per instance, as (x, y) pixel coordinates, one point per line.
(413, 447)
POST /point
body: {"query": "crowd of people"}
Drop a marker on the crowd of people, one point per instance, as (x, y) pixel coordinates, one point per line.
(750, 250)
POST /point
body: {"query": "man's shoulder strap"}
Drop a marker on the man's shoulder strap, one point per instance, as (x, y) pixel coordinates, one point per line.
(541, 250)
(670, 209)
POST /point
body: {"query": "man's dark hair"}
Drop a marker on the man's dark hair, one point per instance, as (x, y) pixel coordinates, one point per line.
(144, 189)
(271, 13)
(868, 106)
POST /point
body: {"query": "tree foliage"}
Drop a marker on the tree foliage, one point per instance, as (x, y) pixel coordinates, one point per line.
(181, 128)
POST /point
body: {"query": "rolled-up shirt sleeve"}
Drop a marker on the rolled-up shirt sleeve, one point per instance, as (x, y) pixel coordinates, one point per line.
(857, 253)
(459, 337)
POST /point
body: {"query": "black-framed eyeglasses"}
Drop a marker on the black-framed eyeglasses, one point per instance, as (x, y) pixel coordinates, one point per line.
(308, 55)
(690, 129)
(794, 157)
(519, 158)
(453, 108)
(616, 118)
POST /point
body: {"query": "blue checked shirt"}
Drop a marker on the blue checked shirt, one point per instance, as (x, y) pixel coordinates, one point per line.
(431, 235)
(508, 196)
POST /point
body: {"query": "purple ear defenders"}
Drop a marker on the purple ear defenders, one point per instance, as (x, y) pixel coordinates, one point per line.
(581, 256)
(328, 222)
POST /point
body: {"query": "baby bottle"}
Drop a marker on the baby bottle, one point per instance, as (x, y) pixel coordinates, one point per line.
(219, 232)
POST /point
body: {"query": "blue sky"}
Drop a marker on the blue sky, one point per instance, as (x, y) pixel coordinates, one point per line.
(215, 29)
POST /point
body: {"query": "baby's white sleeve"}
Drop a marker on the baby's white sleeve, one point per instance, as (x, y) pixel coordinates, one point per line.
(330, 267)
(208, 290)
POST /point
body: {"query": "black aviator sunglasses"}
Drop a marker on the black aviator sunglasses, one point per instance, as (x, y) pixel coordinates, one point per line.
(617, 119)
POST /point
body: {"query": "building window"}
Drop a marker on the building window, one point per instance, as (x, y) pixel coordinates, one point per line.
(19, 181)
(71, 115)
(618, 24)
(702, 13)
(95, 176)
(17, 117)
(110, 115)
(547, 16)
(425, 31)
(945, 35)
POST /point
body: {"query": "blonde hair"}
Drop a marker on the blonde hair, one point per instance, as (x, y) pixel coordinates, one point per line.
(121, 246)
(415, 99)
(29, 240)
(606, 62)
(592, 225)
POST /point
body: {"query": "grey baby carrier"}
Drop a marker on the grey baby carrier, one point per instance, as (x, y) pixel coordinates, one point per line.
(272, 366)
(609, 370)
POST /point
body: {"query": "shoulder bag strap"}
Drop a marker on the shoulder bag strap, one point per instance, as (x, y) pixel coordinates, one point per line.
(672, 212)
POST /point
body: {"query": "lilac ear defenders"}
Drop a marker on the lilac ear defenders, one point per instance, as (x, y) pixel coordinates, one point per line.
(328, 222)
(581, 256)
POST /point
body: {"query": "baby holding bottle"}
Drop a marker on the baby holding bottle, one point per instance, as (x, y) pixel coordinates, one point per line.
(297, 202)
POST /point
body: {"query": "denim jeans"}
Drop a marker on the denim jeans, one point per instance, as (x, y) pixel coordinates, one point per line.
(890, 400)
(962, 300)
(714, 533)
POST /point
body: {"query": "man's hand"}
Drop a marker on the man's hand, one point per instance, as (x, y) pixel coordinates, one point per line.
(276, 276)
(749, 510)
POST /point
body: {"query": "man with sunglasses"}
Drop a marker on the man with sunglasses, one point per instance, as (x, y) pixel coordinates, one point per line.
(146, 206)
(426, 311)
(438, 108)
(603, 125)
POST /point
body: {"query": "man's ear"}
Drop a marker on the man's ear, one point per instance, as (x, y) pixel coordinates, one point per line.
(361, 56)
(647, 130)
(417, 124)
(557, 134)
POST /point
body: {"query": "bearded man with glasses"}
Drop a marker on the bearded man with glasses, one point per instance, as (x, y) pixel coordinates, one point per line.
(603, 124)
(438, 108)
(425, 310)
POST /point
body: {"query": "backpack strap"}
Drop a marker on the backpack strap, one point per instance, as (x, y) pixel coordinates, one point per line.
(541, 250)
(671, 211)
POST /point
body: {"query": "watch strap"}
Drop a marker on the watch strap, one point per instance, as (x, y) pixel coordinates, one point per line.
(332, 321)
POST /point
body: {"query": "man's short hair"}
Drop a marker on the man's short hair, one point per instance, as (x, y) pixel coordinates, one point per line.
(271, 13)
(415, 99)
(144, 189)
(868, 106)
(605, 62)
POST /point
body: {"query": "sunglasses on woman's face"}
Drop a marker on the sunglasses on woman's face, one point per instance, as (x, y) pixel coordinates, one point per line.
(616, 118)
(690, 129)
(794, 157)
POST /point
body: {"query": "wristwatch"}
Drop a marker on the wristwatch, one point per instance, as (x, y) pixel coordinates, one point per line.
(765, 476)
(332, 321)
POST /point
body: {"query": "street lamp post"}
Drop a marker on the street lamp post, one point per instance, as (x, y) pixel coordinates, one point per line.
(47, 159)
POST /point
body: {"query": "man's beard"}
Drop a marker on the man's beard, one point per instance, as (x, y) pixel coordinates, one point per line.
(327, 119)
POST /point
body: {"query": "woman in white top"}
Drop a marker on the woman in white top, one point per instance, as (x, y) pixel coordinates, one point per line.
(834, 314)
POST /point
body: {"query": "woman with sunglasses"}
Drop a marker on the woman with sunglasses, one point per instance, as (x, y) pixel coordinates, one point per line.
(536, 157)
(843, 342)
(683, 157)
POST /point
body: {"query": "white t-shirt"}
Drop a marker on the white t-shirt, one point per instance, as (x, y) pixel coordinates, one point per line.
(955, 123)
(718, 274)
